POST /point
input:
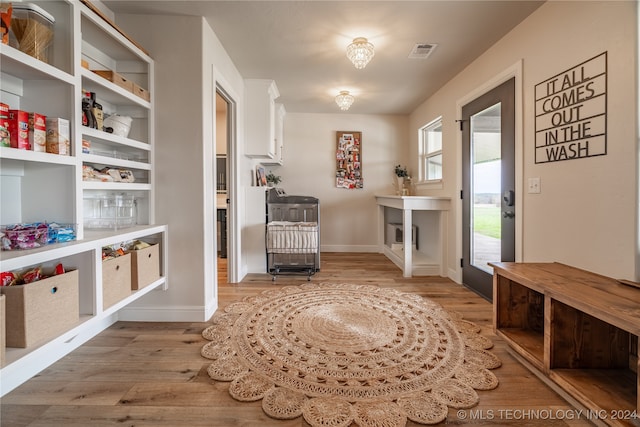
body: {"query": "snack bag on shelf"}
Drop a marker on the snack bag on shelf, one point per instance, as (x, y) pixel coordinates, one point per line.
(60, 233)
(137, 245)
(8, 278)
(32, 275)
(113, 251)
(24, 236)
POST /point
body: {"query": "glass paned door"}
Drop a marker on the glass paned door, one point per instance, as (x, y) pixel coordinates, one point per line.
(488, 185)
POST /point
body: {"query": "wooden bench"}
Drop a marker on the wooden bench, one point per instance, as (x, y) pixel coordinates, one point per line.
(578, 330)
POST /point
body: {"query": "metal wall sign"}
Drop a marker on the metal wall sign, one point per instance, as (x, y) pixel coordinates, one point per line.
(571, 113)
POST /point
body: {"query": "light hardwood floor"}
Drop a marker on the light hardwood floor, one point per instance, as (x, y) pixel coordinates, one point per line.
(152, 374)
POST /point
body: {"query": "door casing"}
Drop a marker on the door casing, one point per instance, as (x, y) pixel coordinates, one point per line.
(514, 71)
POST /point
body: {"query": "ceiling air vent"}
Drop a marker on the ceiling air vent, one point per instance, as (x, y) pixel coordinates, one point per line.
(422, 50)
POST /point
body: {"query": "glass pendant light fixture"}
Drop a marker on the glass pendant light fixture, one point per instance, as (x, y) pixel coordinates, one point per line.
(360, 52)
(344, 100)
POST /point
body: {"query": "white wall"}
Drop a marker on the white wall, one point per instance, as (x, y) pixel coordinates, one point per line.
(586, 213)
(187, 69)
(348, 218)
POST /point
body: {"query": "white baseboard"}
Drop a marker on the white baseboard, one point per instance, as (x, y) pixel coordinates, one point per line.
(210, 309)
(455, 275)
(349, 248)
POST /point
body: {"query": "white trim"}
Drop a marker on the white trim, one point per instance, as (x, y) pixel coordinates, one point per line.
(209, 196)
(233, 214)
(434, 184)
(513, 71)
(350, 248)
(424, 154)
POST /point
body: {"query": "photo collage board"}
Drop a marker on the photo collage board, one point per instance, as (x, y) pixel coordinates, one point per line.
(349, 160)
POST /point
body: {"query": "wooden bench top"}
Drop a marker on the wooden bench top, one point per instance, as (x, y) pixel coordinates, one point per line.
(591, 293)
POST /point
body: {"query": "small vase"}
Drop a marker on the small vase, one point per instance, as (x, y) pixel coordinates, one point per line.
(399, 185)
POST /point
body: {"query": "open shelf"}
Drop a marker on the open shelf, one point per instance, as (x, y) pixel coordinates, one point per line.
(530, 343)
(115, 140)
(427, 254)
(99, 34)
(85, 256)
(607, 391)
(519, 318)
(115, 186)
(28, 68)
(14, 354)
(422, 264)
(110, 92)
(35, 156)
(113, 161)
(576, 329)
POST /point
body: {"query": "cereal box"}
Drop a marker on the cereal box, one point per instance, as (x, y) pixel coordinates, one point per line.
(19, 129)
(58, 141)
(37, 132)
(5, 140)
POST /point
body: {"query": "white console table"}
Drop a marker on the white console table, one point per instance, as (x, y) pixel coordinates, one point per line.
(426, 261)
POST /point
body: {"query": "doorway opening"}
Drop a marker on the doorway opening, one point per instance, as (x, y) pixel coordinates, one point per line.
(223, 136)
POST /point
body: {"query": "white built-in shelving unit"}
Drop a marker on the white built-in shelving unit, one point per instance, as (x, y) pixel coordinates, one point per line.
(49, 187)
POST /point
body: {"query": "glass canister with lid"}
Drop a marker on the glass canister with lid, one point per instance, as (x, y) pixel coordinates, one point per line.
(33, 30)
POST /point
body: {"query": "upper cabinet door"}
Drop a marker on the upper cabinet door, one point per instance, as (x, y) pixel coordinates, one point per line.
(260, 114)
(278, 159)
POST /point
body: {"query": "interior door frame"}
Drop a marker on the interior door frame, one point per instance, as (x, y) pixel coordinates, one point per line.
(233, 233)
(514, 71)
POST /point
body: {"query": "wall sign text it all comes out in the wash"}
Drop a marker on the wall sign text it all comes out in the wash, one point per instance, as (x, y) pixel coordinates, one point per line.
(571, 113)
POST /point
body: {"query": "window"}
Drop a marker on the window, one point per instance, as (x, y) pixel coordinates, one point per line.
(431, 151)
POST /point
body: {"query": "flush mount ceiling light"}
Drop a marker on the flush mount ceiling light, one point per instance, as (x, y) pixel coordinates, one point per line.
(360, 52)
(344, 100)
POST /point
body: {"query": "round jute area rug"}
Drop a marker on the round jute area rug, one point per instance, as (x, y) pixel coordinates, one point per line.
(339, 354)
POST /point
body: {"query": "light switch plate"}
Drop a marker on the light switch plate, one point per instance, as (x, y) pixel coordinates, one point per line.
(534, 185)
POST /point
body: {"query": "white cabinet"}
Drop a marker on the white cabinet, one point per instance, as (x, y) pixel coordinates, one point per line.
(280, 115)
(260, 114)
(36, 186)
(278, 127)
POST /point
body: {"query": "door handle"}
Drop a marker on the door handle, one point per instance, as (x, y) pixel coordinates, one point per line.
(509, 197)
(508, 214)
